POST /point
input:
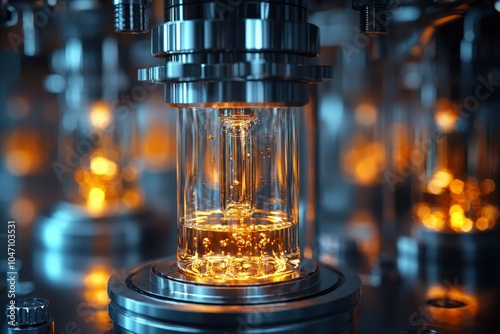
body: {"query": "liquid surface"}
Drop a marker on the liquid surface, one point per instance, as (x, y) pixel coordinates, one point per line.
(245, 250)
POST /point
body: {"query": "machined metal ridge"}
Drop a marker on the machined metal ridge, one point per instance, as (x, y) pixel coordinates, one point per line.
(242, 35)
(169, 282)
(252, 70)
(31, 312)
(285, 93)
(177, 3)
(217, 10)
(133, 308)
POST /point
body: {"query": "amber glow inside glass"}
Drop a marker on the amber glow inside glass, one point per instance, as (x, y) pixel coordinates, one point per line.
(457, 189)
(237, 173)
(98, 160)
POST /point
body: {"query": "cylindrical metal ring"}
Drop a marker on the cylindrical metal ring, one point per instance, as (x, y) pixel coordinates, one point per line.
(248, 35)
(333, 308)
(201, 92)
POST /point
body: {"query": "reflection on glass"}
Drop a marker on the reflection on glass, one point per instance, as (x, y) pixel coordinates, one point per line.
(158, 135)
(364, 159)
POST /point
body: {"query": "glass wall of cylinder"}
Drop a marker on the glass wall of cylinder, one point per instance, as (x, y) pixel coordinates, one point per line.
(458, 178)
(238, 192)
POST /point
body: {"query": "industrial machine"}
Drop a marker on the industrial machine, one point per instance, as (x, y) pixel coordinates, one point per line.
(337, 166)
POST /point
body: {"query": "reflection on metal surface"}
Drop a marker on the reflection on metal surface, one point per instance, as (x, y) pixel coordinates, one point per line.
(80, 278)
(451, 305)
(95, 294)
(70, 228)
(95, 282)
(325, 300)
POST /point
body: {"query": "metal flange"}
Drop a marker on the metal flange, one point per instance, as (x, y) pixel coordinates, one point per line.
(140, 305)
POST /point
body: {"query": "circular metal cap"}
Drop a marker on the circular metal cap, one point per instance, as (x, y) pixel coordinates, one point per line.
(30, 315)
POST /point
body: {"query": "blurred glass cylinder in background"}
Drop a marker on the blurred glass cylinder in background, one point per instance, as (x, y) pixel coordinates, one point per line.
(456, 190)
(98, 149)
(351, 154)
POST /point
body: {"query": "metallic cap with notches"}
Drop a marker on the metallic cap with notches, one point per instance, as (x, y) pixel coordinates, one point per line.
(29, 316)
(234, 51)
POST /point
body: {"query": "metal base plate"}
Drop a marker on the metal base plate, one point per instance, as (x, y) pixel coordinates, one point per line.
(68, 228)
(481, 248)
(323, 300)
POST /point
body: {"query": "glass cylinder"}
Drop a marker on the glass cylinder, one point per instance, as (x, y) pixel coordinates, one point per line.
(237, 179)
(457, 187)
(98, 159)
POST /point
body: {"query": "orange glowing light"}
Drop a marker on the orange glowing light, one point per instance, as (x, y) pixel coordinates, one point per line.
(23, 151)
(100, 115)
(102, 166)
(402, 147)
(466, 225)
(442, 178)
(364, 161)
(97, 278)
(482, 224)
(366, 114)
(159, 147)
(23, 209)
(423, 210)
(457, 186)
(129, 174)
(439, 182)
(466, 211)
(487, 186)
(96, 282)
(446, 116)
(132, 199)
(95, 199)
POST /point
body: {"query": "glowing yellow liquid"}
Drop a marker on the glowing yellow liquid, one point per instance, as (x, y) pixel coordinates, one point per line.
(258, 249)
